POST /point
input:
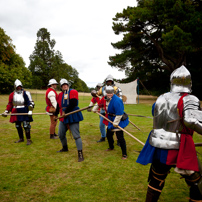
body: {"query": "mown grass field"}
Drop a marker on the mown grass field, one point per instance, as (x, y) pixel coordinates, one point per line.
(38, 173)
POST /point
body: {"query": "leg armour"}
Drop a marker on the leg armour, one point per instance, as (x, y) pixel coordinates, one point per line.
(157, 176)
(26, 126)
(194, 182)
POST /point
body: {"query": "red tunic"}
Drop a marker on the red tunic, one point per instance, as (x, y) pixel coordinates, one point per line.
(48, 102)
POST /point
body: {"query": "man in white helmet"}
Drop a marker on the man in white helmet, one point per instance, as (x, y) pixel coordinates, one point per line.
(68, 102)
(20, 101)
(114, 111)
(177, 115)
(51, 101)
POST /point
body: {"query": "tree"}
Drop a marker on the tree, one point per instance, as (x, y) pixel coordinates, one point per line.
(158, 37)
(12, 66)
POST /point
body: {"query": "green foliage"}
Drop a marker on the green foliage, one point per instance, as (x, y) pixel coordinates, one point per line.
(46, 63)
(38, 173)
(158, 37)
(12, 66)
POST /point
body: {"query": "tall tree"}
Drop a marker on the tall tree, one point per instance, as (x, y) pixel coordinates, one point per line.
(158, 36)
(12, 66)
(41, 60)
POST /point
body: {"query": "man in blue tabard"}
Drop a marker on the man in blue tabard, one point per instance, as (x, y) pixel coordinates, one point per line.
(68, 102)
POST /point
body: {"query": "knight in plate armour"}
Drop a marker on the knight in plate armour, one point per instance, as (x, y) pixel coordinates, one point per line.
(20, 101)
(177, 114)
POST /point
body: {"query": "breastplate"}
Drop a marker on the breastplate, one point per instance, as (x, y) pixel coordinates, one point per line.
(18, 99)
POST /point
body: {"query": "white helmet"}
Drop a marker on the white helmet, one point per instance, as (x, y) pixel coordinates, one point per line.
(109, 90)
(52, 81)
(110, 78)
(64, 81)
(180, 80)
(17, 83)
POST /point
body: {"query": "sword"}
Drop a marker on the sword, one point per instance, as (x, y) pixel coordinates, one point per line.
(78, 110)
(121, 129)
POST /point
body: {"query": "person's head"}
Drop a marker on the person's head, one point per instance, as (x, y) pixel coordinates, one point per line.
(109, 80)
(52, 83)
(18, 85)
(109, 91)
(180, 80)
(99, 85)
(64, 85)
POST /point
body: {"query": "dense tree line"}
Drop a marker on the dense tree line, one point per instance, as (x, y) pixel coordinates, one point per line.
(158, 37)
(45, 63)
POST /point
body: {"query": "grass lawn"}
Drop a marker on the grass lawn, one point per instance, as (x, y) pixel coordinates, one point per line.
(38, 173)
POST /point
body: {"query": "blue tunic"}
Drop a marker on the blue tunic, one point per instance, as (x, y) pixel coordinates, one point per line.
(116, 107)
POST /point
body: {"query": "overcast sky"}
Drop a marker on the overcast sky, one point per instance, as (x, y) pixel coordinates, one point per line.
(82, 30)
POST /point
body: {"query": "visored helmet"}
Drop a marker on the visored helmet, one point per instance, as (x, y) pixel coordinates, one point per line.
(64, 81)
(109, 78)
(180, 80)
(17, 83)
(51, 82)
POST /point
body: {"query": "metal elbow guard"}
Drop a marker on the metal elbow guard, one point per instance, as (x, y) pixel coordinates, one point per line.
(193, 120)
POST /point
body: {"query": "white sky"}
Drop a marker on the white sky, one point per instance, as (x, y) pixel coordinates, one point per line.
(82, 30)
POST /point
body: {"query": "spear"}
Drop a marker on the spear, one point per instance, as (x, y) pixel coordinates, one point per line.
(78, 110)
(121, 128)
(133, 124)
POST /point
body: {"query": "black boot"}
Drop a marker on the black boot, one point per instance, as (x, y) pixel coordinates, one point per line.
(64, 149)
(52, 136)
(28, 138)
(55, 134)
(20, 133)
(80, 156)
(152, 195)
(102, 139)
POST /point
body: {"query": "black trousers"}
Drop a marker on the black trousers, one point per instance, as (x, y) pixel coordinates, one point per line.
(120, 138)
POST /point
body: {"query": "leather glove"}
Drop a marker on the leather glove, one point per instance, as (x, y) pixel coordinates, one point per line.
(89, 109)
(29, 113)
(5, 113)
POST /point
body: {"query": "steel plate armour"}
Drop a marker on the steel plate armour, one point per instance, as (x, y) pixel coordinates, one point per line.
(18, 99)
(166, 134)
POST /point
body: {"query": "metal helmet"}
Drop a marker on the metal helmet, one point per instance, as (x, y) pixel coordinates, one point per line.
(94, 93)
(110, 78)
(99, 85)
(180, 80)
(52, 81)
(17, 83)
(64, 81)
(109, 90)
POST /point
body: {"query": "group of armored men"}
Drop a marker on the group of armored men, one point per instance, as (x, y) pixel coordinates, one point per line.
(176, 115)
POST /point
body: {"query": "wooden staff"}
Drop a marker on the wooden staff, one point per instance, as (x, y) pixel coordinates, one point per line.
(140, 116)
(121, 129)
(78, 110)
(16, 114)
(134, 124)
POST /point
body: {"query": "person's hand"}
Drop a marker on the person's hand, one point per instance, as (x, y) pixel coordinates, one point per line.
(115, 125)
(5, 114)
(89, 109)
(29, 113)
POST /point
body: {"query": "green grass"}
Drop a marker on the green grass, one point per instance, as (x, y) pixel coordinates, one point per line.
(38, 173)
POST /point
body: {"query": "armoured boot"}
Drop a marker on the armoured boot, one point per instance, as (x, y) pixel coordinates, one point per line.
(20, 133)
(80, 156)
(102, 139)
(29, 141)
(52, 136)
(64, 149)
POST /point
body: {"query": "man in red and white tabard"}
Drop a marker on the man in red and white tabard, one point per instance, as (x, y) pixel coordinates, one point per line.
(51, 101)
(20, 101)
